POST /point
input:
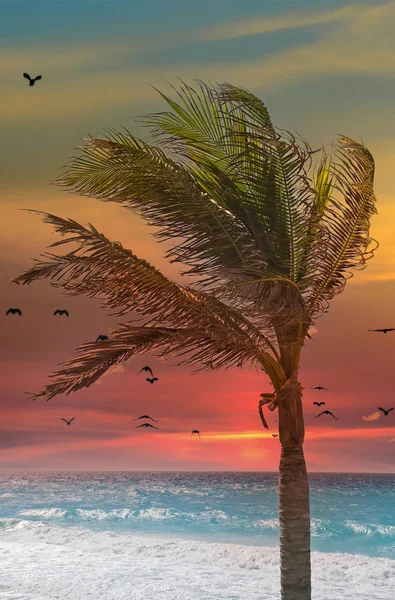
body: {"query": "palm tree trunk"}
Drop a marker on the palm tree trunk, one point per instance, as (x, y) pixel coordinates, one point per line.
(294, 503)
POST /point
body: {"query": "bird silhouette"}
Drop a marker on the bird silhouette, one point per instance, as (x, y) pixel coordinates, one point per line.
(382, 330)
(326, 412)
(101, 338)
(319, 387)
(274, 434)
(14, 311)
(195, 431)
(318, 403)
(385, 411)
(66, 421)
(152, 380)
(32, 81)
(147, 425)
(147, 369)
(61, 312)
(145, 417)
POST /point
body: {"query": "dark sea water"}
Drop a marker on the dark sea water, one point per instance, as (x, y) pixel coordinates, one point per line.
(173, 520)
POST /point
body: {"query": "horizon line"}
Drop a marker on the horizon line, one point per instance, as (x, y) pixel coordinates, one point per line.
(192, 471)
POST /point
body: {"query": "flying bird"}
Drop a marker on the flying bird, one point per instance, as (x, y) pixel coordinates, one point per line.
(147, 369)
(66, 421)
(32, 81)
(385, 411)
(195, 431)
(101, 338)
(327, 412)
(14, 311)
(145, 417)
(319, 387)
(152, 380)
(382, 330)
(318, 403)
(61, 312)
(274, 434)
(147, 425)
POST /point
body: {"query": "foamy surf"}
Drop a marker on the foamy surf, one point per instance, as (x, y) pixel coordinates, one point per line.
(42, 561)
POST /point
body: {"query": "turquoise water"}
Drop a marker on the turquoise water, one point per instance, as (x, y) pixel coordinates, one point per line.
(350, 513)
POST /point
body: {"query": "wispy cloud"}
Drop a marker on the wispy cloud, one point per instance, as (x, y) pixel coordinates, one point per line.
(59, 57)
(373, 417)
(277, 23)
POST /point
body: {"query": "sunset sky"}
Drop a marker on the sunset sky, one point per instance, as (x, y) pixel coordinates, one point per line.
(322, 69)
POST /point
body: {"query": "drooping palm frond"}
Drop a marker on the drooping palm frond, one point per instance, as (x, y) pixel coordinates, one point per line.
(345, 224)
(95, 359)
(210, 348)
(126, 170)
(104, 269)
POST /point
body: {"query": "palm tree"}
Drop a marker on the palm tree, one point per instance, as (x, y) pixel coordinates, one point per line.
(267, 246)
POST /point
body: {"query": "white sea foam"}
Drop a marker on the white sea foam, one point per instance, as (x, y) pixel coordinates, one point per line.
(42, 561)
(267, 523)
(143, 514)
(383, 530)
(47, 513)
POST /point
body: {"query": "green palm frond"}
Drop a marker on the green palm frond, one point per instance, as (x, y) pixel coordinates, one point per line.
(316, 234)
(322, 186)
(126, 170)
(345, 242)
(245, 164)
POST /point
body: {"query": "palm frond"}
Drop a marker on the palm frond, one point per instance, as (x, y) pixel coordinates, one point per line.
(245, 164)
(208, 348)
(126, 170)
(345, 225)
(104, 269)
(316, 234)
(273, 296)
(95, 359)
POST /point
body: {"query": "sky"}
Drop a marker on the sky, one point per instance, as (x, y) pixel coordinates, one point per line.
(322, 69)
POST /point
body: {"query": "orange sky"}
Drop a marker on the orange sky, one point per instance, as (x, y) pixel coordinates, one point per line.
(321, 72)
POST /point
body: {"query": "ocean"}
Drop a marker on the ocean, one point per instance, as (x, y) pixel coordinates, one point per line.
(201, 536)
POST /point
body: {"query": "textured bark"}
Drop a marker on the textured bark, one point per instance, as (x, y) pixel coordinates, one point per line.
(294, 504)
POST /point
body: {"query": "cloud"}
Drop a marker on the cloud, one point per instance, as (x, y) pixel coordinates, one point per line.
(312, 330)
(292, 20)
(111, 371)
(351, 48)
(373, 417)
(58, 57)
(392, 439)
